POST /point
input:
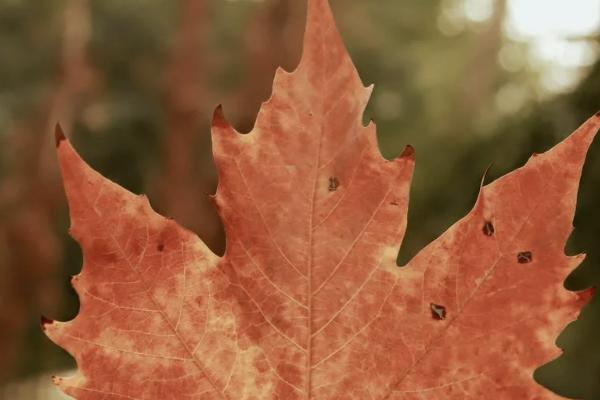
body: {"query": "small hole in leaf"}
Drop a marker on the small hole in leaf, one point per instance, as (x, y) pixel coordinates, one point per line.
(333, 184)
(488, 228)
(160, 247)
(438, 312)
(525, 257)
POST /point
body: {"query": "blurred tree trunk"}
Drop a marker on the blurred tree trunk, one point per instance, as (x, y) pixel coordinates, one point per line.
(188, 176)
(31, 195)
(274, 40)
(482, 72)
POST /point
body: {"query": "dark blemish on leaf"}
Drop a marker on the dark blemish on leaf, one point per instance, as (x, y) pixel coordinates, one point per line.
(597, 114)
(525, 257)
(333, 184)
(160, 247)
(395, 203)
(438, 312)
(488, 228)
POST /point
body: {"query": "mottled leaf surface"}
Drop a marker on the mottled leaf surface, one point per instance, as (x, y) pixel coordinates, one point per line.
(307, 302)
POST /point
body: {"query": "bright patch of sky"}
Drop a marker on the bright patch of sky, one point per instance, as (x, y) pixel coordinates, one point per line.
(554, 30)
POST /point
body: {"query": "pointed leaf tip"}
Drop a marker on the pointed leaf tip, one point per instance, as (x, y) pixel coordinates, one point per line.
(485, 174)
(218, 119)
(583, 297)
(212, 198)
(408, 152)
(59, 135)
(44, 321)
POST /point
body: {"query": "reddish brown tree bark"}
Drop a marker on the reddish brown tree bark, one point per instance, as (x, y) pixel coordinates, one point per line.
(273, 41)
(186, 142)
(30, 196)
(482, 71)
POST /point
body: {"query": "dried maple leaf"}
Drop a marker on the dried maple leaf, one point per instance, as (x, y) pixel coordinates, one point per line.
(307, 302)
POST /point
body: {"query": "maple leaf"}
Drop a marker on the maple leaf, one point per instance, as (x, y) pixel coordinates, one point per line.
(307, 302)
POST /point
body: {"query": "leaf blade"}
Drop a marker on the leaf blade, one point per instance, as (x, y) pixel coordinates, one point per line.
(307, 302)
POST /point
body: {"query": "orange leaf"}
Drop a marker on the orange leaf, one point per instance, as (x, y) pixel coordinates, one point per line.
(307, 302)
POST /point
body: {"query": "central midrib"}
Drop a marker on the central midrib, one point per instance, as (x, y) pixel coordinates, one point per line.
(309, 289)
(310, 267)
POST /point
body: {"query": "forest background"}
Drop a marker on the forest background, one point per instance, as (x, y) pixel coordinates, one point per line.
(133, 83)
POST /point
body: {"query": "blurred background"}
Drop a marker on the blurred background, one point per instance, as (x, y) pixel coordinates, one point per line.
(133, 84)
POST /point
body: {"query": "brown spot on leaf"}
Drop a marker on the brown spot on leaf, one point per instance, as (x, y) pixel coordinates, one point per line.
(334, 183)
(525, 257)
(395, 203)
(438, 312)
(169, 236)
(488, 228)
